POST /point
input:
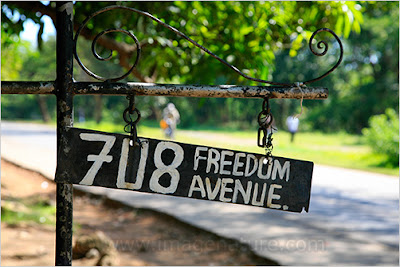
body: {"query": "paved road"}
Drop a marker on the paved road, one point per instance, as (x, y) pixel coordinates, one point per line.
(353, 218)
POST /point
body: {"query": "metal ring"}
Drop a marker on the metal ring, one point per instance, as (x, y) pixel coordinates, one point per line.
(263, 124)
(127, 115)
(126, 128)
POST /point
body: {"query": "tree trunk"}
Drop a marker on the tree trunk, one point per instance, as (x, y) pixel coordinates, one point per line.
(98, 109)
(43, 108)
(156, 112)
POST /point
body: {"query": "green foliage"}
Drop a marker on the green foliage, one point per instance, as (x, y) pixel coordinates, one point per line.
(13, 18)
(26, 210)
(259, 38)
(40, 65)
(383, 135)
(13, 53)
(367, 82)
(26, 64)
(19, 107)
(246, 34)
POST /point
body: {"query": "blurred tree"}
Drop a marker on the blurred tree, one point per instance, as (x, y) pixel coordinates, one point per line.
(383, 135)
(19, 62)
(12, 55)
(368, 80)
(246, 34)
(41, 66)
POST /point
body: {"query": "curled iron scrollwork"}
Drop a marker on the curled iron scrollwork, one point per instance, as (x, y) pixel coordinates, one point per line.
(320, 45)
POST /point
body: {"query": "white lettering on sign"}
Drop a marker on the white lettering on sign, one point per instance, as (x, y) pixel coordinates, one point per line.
(256, 193)
(238, 164)
(218, 163)
(247, 171)
(254, 201)
(212, 193)
(224, 189)
(260, 169)
(272, 196)
(197, 179)
(197, 156)
(170, 169)
(213, 160)
(98, 159)
(206, 160)
(123, 162)
(239, 188)
(281, 170)
(224, 162)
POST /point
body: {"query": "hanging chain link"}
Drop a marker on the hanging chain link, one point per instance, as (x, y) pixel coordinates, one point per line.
(130, 126)
(264, 136)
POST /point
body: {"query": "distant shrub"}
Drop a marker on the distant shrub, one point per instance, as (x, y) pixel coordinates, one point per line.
(383, 135)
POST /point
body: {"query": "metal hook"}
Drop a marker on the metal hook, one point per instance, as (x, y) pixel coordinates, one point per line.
(265, 121)
(265, 105)
(265, 118)
(131, 99)
(130, 126)
(261, 142)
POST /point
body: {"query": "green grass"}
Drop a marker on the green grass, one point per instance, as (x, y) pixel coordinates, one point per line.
(339, 149)
(37, 212)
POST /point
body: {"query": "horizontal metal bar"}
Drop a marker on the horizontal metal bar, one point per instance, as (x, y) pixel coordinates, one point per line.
(27, 87)
(223, 91)
(233, 91)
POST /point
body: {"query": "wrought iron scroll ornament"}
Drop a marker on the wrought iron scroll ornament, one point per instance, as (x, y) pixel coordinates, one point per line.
(321, 45)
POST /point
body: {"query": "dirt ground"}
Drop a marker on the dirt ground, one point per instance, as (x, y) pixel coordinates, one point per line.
(140, 236)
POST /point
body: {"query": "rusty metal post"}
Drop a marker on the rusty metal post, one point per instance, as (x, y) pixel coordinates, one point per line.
(64, 119)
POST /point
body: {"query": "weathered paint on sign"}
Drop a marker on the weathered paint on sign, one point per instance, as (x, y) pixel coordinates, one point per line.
(164, 167)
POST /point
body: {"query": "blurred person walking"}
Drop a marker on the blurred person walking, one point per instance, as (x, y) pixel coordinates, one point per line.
(170, 119)
(292, 122)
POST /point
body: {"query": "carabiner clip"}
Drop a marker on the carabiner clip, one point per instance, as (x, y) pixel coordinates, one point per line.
(262, 142)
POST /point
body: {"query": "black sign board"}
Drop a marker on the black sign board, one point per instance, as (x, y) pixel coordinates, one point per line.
(105, 159)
